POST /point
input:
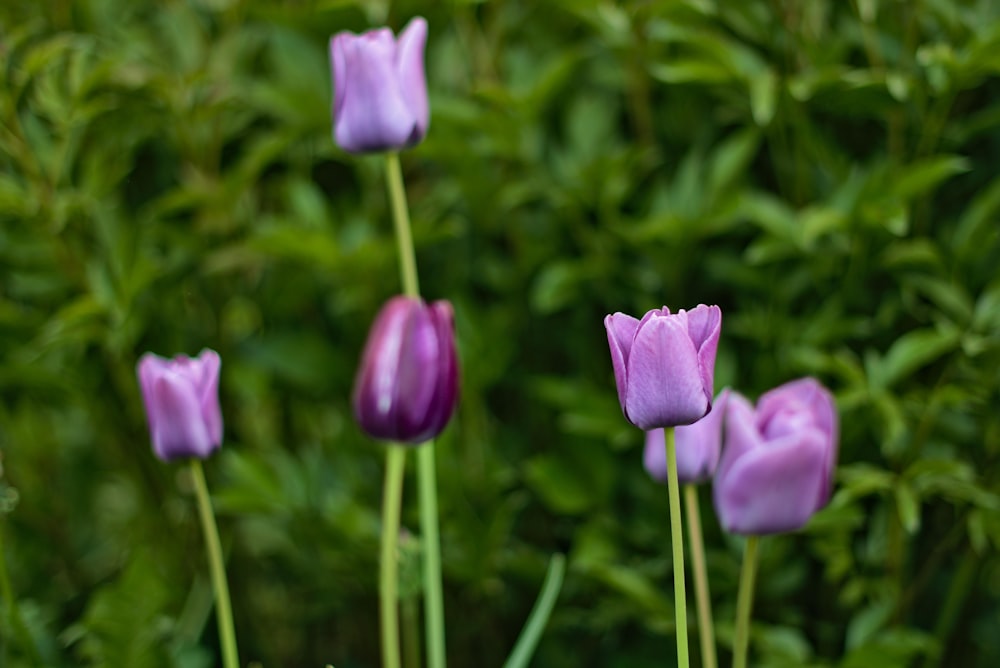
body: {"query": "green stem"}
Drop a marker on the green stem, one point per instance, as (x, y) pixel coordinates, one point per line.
(426, 474)
(433, 592)
(539, 617)
(706, 632)
(677, 544)
(401, 221)
(392, 490)
(223, 608)
(744, 603)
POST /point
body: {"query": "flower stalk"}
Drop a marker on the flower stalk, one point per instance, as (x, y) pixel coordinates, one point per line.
(426, 474)
(392, 490)
(677, 544)
(744, 603)
(223, 607)
(706, 631)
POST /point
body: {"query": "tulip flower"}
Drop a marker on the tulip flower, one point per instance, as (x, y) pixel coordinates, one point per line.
(777, 461)
(379, 89)
(407, 385)
(664, 364)
(698, 447)
(182, 404)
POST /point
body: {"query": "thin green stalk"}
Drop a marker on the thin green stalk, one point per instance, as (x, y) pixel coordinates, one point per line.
(677, 543)
(433, 592)
(744, 603)
(401, 221)
(426, 474)
(392, 491)
(223, 608)
(706, 631)
(539, 617)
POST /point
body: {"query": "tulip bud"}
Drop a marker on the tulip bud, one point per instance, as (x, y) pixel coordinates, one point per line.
(407, 385)
(664, 364)
(379, 89)
(182, 404)
(777, 461)
(697, 446)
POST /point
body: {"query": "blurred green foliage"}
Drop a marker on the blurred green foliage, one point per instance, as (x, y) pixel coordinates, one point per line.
(825, 171)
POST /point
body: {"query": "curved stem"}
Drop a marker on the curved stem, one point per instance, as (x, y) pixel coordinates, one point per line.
(706, 632)
(392, 490)
(401, 221)
(223, 607)
(677, 544)
(744, 603)
(539, 616)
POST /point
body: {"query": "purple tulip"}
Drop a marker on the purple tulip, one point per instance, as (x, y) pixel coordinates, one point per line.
(697, 445)
(407, 385)
(664, 364)
(379, 89)
(777, 462)
(182, 404)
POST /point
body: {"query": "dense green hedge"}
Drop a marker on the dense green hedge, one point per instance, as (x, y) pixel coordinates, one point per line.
(826, 171)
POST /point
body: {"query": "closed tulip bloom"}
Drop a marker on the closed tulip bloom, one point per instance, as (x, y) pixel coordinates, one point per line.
(379, 89)
(778, 460)
(664, 364)
(407, 385)
(698, 446)
(182, 404)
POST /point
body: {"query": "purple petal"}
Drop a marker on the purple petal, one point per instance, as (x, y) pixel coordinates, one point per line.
(371, 113)
(411, 76)
(654, 455)
(179, 429)
(376, 392)
(664, 386)
(621, 331)
(446, 391)
(772, 489)
(699, 444)
(416, 383)
(705, 326)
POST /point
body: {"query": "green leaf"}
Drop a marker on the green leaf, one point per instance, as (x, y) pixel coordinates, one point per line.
(914, 350)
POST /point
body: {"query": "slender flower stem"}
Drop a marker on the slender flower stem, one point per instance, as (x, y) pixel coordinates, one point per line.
(392, 490)
(706, 632)
(433, 592)
(744, 603)
(223, 608)
(677, 543)
(401, 221)
(426, 474)
(520, 656)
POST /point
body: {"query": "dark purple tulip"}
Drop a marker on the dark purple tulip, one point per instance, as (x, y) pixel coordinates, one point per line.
(697, 445)
(182, 404)
(407, 385)
(777, 461)
(664, 364)
(379, 89)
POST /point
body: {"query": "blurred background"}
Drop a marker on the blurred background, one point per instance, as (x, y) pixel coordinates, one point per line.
(825, 171)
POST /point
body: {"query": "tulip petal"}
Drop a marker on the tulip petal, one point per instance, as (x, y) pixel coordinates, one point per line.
(179, 429)
(772, 489)
(372, 114)
(416, 372)
(411, 77)
(664, 386)
(375, 398)
(704, 327)
(446, 394)
(699, 444)
(621, 331)
(654, 455)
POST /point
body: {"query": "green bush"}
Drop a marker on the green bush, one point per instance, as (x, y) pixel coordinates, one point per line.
(824, 171)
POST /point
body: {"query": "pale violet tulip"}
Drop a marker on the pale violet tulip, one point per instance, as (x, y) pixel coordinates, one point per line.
(698, 446)
(407, 384)
(664, 364)
(379, 89)
(181, 396)
(778, 459)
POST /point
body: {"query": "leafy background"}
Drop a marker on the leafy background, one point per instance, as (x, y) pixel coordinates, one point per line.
(824, 171)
